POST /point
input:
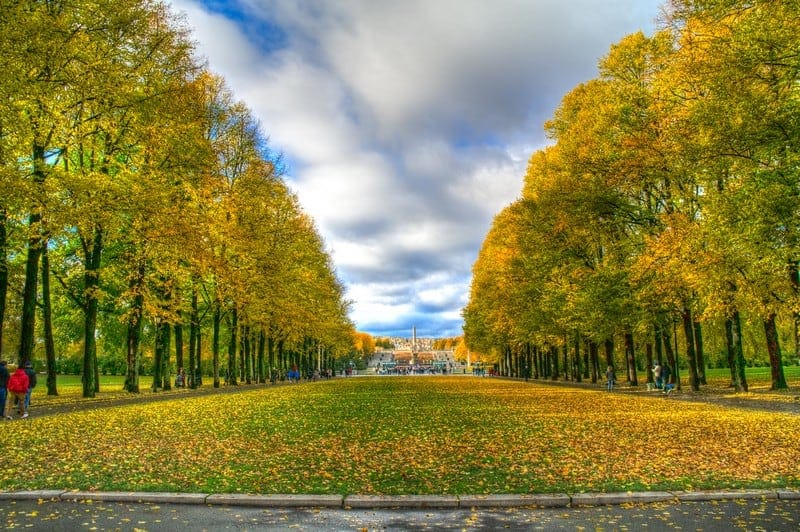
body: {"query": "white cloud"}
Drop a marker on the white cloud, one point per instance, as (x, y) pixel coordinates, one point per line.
(408, 124)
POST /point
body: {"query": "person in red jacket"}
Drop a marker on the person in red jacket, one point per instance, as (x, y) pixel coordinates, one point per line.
(18, 387)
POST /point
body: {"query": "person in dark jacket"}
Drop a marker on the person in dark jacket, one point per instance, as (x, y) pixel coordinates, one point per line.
(666, 377)
(4, 375)
(31, 373)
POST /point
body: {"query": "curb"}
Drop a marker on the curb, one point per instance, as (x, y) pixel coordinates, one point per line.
(545, 500)
(401, 501)
(347, 502)
(275, 501)
(609, 499)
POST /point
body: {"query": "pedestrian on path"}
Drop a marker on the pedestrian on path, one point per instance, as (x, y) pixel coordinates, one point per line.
(666, 376)
(4, 375)
(657, 375)
(18, 386)
(31, 373)
(611, 378)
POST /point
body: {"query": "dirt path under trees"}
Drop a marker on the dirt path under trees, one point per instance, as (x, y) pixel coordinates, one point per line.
(48, 408)
(758, 399)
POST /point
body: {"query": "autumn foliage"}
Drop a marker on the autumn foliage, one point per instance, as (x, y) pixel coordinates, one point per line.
(140, 202)
(661, 224)
(456, 435)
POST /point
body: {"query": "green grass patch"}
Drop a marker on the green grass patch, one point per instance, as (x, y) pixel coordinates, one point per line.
(447, 435)
(70, 390)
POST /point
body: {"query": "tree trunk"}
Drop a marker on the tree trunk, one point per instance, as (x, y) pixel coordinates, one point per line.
(91, 283)
(29, 290)
(630, 355)
(161, 356)
(594, 354)
(262, 340)
(609, 345)
(741, 363)
(688, 331)
(794, 277)
(246, 347)
(178, 346)
(215, 342)
(158, 354)
(671, 355)
(774, 350)
(193, 334)
(701, 359)
(163, 340)
(135, 326)
(648, 358)
(233, 327)
(270, 356)
(733, 340)
(659, 344)
(578, 369)
(253, 355)
(731, 353)
(47, 315)
(96, 369)
(198, 359)
(3, 271)
(586, 361)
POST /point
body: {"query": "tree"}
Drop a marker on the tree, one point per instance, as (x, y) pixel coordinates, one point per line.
(743, 57)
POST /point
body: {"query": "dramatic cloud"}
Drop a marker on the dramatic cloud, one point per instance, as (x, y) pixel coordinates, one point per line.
(407, 124)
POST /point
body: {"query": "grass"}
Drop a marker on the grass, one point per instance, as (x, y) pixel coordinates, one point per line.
(756, 377)
(453, 435)
(70, 389)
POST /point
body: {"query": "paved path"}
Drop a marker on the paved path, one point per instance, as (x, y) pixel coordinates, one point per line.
(724, 515)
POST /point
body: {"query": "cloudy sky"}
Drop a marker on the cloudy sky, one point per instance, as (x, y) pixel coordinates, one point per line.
(407, 124)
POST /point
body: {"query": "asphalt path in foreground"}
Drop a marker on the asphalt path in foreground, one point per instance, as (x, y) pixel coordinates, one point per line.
(753, 514)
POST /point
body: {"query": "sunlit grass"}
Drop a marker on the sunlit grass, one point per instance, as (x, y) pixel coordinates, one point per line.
(405, 435)
(70, 389)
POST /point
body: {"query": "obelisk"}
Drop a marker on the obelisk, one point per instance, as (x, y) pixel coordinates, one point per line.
(414, 345)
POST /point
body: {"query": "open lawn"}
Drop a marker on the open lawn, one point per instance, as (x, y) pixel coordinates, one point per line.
(395, 435)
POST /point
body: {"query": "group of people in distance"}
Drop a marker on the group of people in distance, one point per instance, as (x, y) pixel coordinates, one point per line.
(17, 384)
(663, 377)
(661, 374)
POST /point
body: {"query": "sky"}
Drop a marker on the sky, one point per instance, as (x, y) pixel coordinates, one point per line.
(407, 125)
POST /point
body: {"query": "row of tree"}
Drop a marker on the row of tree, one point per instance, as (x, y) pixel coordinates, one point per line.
(669, 197)
(140, 202)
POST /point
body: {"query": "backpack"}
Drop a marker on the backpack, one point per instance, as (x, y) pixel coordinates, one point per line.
(17, 384)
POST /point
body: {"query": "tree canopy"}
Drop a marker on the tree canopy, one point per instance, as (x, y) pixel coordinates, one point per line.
(156, 201)
(668, 196)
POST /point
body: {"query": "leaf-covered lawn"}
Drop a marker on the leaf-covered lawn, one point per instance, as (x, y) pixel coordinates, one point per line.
(398, 435)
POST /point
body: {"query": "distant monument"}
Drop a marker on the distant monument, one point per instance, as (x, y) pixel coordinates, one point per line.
(414, 360)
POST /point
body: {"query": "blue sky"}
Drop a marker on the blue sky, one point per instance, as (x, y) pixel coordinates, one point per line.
(407, 124)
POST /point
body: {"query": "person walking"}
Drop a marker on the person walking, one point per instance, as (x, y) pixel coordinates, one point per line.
(611, 378)
(18, 386)
(666, 375)
(657, 375)
(4, 375)
(31, 373)
(180, 379)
